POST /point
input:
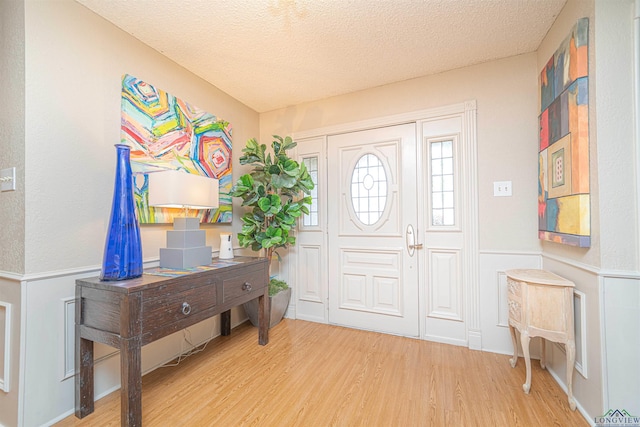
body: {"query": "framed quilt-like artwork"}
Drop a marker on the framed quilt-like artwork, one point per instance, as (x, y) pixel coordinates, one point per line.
(165, 132)
(563, 158)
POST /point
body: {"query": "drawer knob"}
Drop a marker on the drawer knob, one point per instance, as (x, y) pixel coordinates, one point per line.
(246, 286)
(186, 308)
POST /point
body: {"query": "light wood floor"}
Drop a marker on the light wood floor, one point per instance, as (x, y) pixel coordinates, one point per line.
(319, 375)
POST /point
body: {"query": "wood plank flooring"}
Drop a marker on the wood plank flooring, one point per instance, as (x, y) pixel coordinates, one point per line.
(318, 375)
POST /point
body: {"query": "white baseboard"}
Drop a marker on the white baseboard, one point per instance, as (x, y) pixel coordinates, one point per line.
(579, 407)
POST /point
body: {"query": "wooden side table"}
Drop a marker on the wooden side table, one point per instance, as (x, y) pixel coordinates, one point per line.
(541, 305)
(129, 314)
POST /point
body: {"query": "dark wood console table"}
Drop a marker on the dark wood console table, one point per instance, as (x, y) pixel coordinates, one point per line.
(131, 313)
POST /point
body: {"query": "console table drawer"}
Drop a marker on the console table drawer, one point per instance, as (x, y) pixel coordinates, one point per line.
(514, 288)
(245, 284)
(173, 306)
(515, 311)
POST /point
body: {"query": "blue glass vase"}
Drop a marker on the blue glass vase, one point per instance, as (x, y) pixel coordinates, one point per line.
(123, 248)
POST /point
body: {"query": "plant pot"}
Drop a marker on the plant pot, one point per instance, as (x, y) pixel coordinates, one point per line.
(279, 304)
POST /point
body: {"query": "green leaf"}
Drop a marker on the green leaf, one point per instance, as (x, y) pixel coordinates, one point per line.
(289, 143)
(273, 232)
(291, 168)
(250, 200)
(273, 169)
(283, 181)
(264, 203)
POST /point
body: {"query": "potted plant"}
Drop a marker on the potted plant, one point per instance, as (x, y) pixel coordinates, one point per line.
(277, 192)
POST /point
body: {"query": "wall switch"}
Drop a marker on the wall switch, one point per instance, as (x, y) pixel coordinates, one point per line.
(502, 188)
(8, 179)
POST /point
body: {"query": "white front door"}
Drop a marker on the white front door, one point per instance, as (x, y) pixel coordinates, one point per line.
(373, 279)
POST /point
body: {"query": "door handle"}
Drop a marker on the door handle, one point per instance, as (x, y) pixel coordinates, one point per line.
(410, 238)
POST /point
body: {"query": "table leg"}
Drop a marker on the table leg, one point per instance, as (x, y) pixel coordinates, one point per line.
(264, 318)
(571, 358)
(543, 353)
(84, 377)
(514, 359)
(225, 323)
(524, 338)
(131, 383)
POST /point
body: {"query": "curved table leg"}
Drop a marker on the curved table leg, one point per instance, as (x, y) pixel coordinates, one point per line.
(514, 359)
(571, 358)
(543, 353)
(524, 338)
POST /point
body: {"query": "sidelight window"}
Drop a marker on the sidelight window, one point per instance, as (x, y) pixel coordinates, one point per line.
(311, 220)
(442, 184)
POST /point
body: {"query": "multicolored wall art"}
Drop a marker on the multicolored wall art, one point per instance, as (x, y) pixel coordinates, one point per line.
(563, 160)
(165, 132)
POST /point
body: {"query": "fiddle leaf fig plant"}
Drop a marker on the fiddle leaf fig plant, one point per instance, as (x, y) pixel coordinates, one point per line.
(277, 191)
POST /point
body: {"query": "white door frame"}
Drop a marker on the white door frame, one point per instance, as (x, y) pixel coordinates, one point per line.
(469, 206)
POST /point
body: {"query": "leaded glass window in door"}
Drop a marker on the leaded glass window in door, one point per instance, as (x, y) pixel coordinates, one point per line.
(369, 189)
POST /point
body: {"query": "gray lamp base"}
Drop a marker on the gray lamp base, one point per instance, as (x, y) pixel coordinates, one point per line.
(181, 258)
(186, 245)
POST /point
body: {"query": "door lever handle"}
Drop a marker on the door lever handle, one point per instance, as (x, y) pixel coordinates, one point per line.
(411, 240)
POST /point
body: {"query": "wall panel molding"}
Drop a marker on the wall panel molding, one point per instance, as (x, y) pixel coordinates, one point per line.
(503, 305)
(445, 299)
(5, 328)
(309, 286)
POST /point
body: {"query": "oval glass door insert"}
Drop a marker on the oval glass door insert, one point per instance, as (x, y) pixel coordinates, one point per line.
(369, 189)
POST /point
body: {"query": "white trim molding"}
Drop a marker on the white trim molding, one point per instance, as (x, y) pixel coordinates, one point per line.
(470, 224)
(5, 383)
(396, 119)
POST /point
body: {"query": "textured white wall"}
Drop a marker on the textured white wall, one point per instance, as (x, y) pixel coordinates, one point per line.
(12, 248)
(574, 10)
(588, 391)
(73, 69)
(619, 220)
(505, 91)
(12, 121)
(74, 63)
(614, 216)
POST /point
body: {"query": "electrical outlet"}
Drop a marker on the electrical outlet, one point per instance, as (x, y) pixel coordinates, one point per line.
(8, 179)
(502, 189)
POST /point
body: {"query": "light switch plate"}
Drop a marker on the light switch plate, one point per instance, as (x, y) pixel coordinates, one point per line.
(8, 179)
(502, 188)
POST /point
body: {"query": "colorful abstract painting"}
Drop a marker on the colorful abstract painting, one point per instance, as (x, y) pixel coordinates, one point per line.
(165, 132)
(563, 160)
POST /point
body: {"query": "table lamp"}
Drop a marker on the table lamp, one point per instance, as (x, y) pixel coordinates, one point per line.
(186, 242)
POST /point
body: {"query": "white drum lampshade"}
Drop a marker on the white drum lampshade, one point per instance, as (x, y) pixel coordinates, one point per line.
(175, 189)
(186, 242)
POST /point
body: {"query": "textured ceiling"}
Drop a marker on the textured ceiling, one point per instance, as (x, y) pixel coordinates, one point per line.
(275, 53)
